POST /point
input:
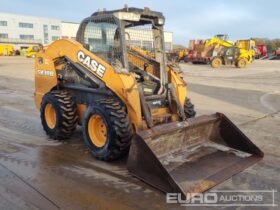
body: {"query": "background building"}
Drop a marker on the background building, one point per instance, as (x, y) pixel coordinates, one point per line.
(69, 29)
(23, 31)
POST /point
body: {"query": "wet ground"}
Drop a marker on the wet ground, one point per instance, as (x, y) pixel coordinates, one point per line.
(39, 173)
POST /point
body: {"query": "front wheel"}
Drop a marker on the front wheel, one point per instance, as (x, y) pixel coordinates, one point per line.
(216, 62)
(241, 63)
(107, 129)
(58, 114)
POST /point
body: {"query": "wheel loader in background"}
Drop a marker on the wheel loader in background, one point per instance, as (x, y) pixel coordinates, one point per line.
(240, 53)
(31, 51)
(128, 101)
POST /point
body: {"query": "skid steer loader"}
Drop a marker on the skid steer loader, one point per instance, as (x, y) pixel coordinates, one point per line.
(128, 100)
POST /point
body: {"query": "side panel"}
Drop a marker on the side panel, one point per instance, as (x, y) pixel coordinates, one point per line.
(180, 86)
(123, 85)
(45, 77)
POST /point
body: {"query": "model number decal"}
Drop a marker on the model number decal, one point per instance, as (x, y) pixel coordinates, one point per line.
(92, 64)
(45, 73)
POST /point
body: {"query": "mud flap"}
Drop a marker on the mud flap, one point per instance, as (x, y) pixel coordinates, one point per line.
(191, 156)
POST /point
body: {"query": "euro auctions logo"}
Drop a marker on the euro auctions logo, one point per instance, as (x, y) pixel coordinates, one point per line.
(235, 198)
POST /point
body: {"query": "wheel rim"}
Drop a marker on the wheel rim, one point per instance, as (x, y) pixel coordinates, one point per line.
(97, 130)
(216, 63)
(242, 63)
(50, 115)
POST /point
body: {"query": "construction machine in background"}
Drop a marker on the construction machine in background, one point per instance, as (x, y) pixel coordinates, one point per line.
(241, 53)
(178, 55)
(199, 53)
(261, 51)
(249, 45)
(32, 51)
(126, 101)
(232, 56)
(219, 40)
(224, 37)
(202, 51)
(7, 50)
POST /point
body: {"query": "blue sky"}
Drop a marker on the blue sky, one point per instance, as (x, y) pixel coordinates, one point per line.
(187, 19)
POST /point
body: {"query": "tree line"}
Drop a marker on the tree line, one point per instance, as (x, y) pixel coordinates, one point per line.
(271, 44)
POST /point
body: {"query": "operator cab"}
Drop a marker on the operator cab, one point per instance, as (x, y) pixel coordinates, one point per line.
(224, 37)
(130, 40)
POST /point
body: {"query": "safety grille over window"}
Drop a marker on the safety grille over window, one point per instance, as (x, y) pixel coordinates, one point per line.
(140, 38)
(103, 39)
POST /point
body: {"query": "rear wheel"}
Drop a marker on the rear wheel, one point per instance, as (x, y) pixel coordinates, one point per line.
(241, 63)
(189, 108)
(58, 114)
(107, 129)
(216, 62)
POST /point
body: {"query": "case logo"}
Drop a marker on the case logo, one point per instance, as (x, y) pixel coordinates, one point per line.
(45, 73)
(92, 64)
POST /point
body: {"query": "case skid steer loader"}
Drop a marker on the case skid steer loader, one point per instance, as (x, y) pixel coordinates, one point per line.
(130, 101)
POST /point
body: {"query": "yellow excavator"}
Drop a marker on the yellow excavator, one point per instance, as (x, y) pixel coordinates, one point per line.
(239, 53)
(130, 102)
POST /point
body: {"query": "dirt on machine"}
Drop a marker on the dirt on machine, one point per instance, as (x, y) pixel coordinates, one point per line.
(130, 101)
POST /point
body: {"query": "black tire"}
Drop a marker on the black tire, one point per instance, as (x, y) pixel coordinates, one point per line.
(189, 108)
(118, 126)
(66, 114)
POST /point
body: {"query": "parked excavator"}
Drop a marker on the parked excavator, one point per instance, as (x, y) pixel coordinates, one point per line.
(131, 102)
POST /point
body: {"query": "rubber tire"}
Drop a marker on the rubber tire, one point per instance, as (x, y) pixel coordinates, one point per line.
(189, 108)
(218, 60)
(66, 114)
(239, 63)
(119, 130)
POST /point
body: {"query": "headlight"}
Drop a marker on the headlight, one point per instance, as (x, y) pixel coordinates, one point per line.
(127, 16)
(160, 21)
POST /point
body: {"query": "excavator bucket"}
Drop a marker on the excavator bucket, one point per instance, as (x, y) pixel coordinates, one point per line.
(191, 156)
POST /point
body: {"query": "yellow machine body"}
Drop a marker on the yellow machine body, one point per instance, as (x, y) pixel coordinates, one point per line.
(32, 51)
(123, 84)
(7, 50)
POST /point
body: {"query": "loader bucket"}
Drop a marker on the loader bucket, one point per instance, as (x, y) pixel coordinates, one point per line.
(191, 156)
